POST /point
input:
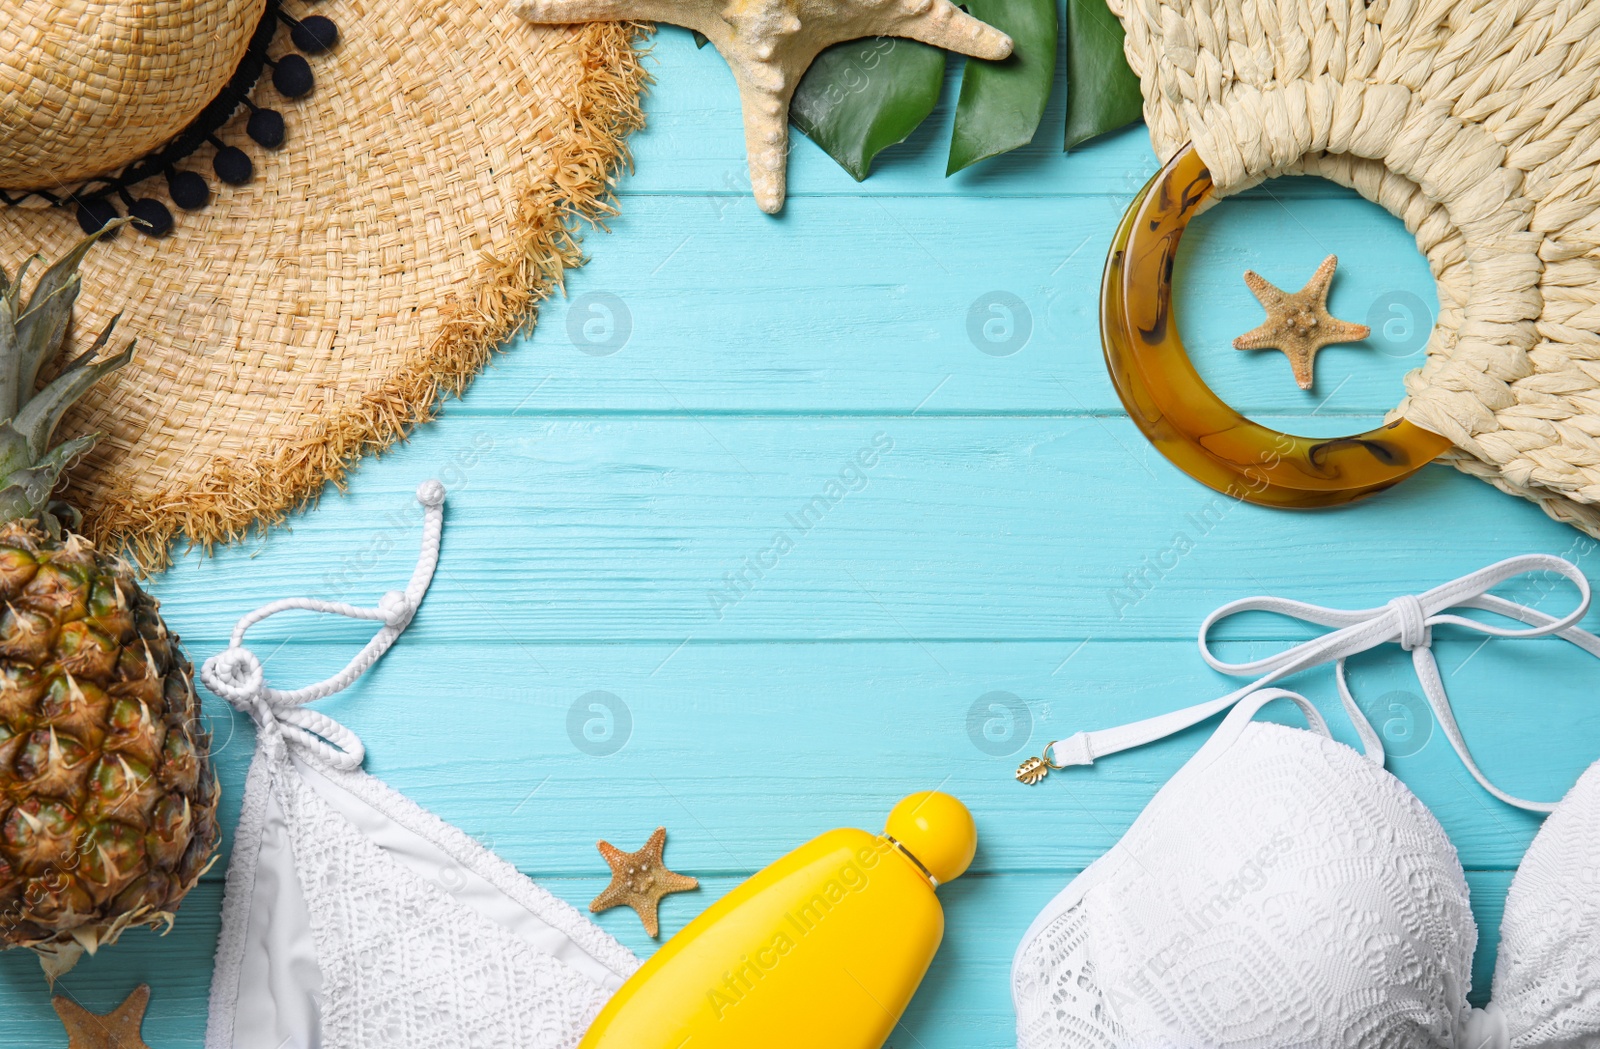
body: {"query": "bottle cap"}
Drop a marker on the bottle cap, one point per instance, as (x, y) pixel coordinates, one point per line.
(937, 831)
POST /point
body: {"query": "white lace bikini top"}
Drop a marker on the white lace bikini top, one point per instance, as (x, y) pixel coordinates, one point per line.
(353, 919)
(1283, 890)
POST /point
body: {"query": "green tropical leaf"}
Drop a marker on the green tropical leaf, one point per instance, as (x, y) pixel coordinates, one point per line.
(1002, 102)
(862, 96)
(1102, 91)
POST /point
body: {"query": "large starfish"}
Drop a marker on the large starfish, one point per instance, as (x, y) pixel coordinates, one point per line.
(769, 44)
(118, 1029)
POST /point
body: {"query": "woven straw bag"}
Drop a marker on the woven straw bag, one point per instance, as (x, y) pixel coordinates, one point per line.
(419, 201)
(1477, 123)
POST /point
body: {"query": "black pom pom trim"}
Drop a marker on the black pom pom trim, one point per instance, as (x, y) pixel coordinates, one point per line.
(188, 190)
(150, 217)
(314, 35)
(94, 213)
(233, 165)
(265, 127)
(291, 75)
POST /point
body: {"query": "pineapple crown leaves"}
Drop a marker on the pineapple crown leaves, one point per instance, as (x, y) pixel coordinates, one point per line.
(32, 334)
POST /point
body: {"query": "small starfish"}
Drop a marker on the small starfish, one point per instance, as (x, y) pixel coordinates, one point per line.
(1299, 324)
(769, 44)
(640, 879)
(115, 1030)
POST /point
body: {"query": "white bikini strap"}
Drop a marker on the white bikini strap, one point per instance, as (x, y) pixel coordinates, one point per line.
(1247, 708)
(235, 674)
(1408, 620)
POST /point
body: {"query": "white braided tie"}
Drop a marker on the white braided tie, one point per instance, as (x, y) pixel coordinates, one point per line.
(281, 719)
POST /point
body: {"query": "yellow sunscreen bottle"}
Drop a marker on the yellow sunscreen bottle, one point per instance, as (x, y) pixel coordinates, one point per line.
(821, 950)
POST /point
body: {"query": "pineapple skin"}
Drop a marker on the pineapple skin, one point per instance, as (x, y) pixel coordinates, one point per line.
(108, 801)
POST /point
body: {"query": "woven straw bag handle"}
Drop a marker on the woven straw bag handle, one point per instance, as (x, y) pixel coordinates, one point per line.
(1472, 123)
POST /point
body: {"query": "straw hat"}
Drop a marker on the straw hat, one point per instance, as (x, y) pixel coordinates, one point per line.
(342, 207)
(1476, 123)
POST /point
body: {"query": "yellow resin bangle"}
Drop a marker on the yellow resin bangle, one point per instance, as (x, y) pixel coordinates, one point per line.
(1181, 415)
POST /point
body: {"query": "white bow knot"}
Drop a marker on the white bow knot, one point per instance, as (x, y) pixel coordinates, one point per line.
(1412, 619)
(236, 675)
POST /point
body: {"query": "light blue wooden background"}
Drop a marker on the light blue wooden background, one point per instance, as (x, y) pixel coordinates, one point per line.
(607, 475)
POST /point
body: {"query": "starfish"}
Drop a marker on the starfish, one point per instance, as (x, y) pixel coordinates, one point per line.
(769, 44)
(1299, 324)
(640, 879)
(115, 1030)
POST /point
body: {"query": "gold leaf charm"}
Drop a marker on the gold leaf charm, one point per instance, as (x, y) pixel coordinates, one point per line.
(1032, 771)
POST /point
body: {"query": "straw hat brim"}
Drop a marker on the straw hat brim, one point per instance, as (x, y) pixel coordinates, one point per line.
(422, 205)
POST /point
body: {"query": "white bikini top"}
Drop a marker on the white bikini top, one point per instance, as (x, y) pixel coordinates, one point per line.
(1283, 890)
(354, 918)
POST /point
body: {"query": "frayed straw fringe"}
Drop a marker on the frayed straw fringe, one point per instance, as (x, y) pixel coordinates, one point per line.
(233, 496)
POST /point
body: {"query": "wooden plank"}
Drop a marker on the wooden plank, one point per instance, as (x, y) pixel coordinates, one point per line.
(894, 304)
(668, 528)
(744, 750)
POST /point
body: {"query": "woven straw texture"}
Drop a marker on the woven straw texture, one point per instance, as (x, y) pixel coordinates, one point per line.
(423, 203)
(1477, 122)
(90, 86)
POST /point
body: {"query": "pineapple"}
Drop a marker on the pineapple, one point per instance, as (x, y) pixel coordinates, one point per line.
(107, 797)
